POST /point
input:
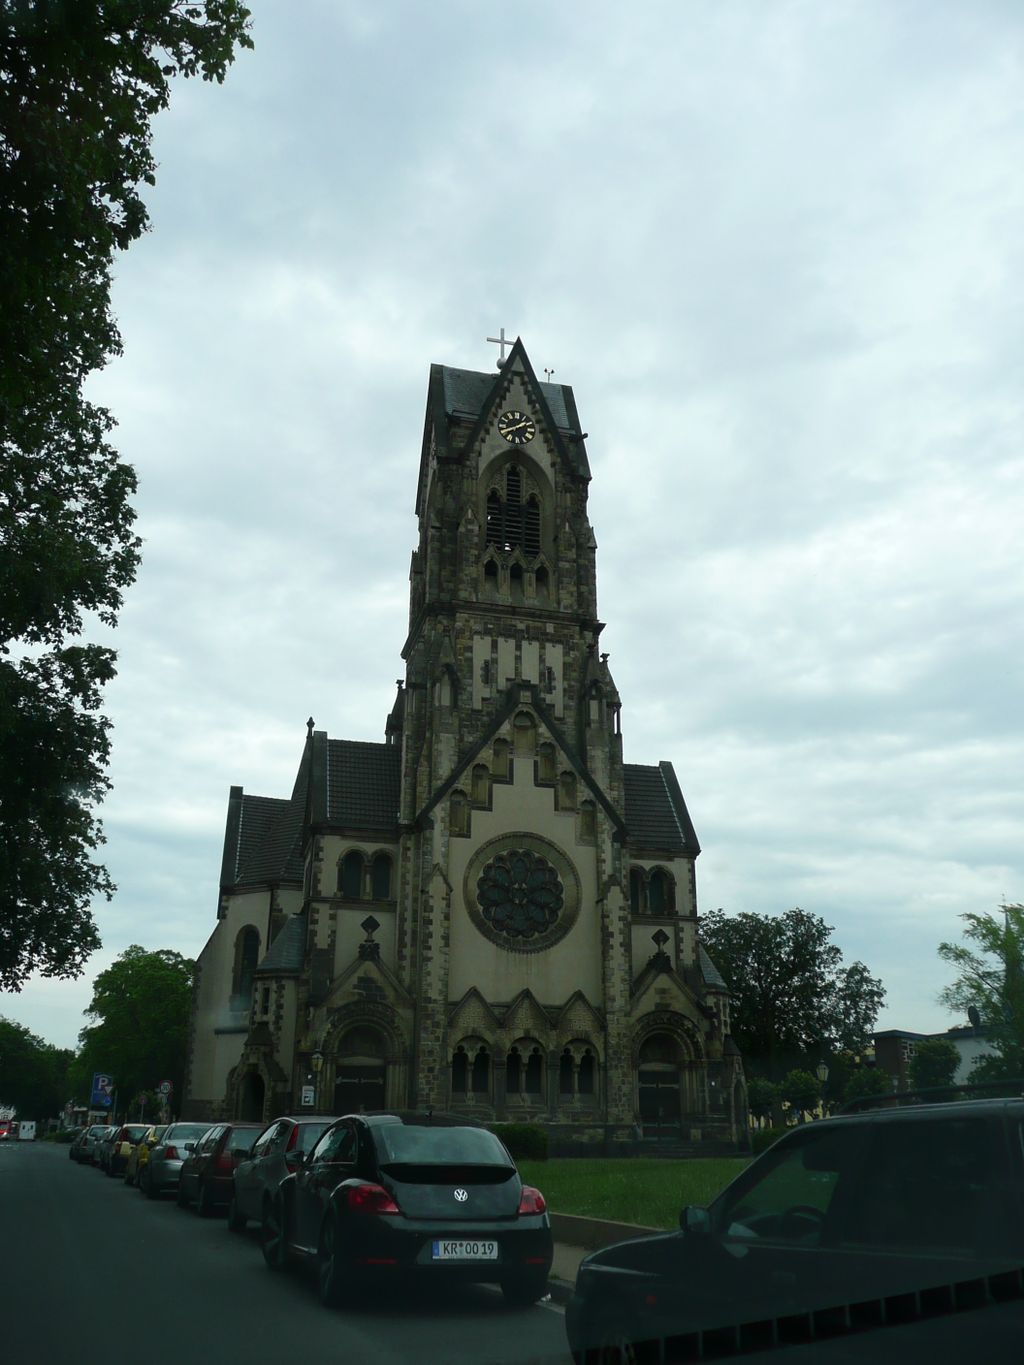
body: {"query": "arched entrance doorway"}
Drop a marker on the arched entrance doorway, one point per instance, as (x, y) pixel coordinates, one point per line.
(360, 1072)
(250, 1097)
(662, 1083)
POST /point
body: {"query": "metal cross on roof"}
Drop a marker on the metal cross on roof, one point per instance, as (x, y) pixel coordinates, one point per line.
(501, 342)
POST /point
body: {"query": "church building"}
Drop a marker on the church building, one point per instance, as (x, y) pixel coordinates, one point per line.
(489, 912)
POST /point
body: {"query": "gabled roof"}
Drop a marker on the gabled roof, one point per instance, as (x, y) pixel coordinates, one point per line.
(455, 395)
(656, 814)
(287, 953)
(513, 700)
(363, 785)
(263, 840)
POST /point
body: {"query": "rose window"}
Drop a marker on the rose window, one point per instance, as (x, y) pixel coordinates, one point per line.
(519, 893)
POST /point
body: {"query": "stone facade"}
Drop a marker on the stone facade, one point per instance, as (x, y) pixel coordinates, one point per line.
(490, 912)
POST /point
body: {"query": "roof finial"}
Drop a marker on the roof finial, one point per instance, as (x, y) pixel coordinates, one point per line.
(309, 728)
(501, 342)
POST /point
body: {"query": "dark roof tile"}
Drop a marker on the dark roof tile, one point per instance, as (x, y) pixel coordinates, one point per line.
(363, 784)
(287, 953)
(656, 814)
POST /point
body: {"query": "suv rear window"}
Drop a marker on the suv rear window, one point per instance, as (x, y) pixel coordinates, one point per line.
(422, 1145)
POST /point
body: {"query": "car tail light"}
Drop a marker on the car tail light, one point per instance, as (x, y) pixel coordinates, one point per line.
(225, 1161)
(531, 1200)
(171, 1153)
(370, 1199)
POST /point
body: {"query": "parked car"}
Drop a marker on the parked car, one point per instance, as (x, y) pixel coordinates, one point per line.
(126, 1137)
(139, 1154)
(162, 1170)
(104, 1148)
(207, 1169)
(432, 1196)
(72, 1136)
(86, 1145)
(895, 1215)
(279, 1149)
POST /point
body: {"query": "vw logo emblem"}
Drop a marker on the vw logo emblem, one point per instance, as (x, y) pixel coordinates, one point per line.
(461, 1196)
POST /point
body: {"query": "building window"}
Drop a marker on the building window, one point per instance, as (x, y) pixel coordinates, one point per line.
(481, 785)
(481, 1077)
(247, 953)
(350, 876)
(460, 1071)
(660, 893)
(546, 763)
(501, 759)
(513, 1072)
(566, 1068)
(636, 890)
(381, 877)
(567, 791)
(511, 523)
(525, 733)
(587, 1073)
(490, 578)
(542, 588)
(588, 821)
(459, 821)
(533, 1080)
(515, 583)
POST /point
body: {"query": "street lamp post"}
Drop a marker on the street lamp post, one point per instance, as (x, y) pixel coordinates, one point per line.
(821, 1071)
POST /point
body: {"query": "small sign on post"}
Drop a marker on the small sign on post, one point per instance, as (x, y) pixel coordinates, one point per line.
(309, 1094)
(164, 1088)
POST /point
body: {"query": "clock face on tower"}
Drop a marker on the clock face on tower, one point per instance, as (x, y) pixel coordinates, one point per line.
(516, 427)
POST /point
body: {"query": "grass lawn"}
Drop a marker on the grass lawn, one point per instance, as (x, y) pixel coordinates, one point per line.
(630, 1190)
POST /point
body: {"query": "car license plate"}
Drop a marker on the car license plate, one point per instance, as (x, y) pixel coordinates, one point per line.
(464, 1251)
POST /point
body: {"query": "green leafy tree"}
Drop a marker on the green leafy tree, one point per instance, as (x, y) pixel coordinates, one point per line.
(80, 81)
(139, 1034)
(866, 1082)
(801, 1090)
(33, 1073)
(762, 1097)
(989, 970)
(934, 1062)
(792, 999)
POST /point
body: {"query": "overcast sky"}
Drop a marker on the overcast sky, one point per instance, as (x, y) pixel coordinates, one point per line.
(778, 251)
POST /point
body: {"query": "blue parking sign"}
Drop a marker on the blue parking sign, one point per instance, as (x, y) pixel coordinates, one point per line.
(102, 1091)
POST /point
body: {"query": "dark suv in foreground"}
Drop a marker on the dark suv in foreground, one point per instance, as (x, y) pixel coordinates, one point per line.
(385, 1196)
(891, 1234)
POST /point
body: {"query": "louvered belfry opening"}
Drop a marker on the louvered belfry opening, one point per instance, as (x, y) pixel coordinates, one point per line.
(513, 524)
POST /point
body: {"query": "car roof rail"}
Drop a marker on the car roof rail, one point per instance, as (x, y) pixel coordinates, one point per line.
(1006, 1088)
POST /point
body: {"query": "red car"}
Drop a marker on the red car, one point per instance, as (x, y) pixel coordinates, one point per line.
(209, 1165)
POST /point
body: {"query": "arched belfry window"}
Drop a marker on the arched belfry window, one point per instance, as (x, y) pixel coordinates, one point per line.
(350, 876)
(381, 877)
(514, 514)
(247, 952)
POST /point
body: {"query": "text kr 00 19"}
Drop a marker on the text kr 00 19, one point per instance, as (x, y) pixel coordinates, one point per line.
(383, 1194)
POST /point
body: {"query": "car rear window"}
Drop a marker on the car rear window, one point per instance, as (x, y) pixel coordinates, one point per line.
(423, 1145)
(134, 1132)
(184, 1132)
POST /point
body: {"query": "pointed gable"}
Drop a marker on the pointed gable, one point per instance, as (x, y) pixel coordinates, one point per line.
(525, 1018)
(656, 814)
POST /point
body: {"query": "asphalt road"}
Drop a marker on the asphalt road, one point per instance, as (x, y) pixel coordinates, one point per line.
(92, 1270)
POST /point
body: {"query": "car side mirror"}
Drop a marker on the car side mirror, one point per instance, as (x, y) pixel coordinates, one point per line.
(190, 1146)
(695, 1219)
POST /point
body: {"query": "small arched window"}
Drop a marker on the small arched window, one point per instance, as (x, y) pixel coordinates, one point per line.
(490, 578)
(660, 898)
(546, 763)
(247, 953)
(515, 583)
(566, 1067)
(459, 813)
(588, 820)
(460, 1071)
(587, 1073)
(542, 585)
(567, 791)
(482, 1072)
(481, 785)
(350, 876)
(501, 758)
(525, 733)
(636, 891)
(511, 523)
(513, 1071)
(381, 877)
(534, 1079)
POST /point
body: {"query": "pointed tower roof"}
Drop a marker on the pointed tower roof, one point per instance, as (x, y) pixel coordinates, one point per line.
(467, 397)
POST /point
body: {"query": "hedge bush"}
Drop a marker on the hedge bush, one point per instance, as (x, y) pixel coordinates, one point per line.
(525, 1141)
(763, 1138)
